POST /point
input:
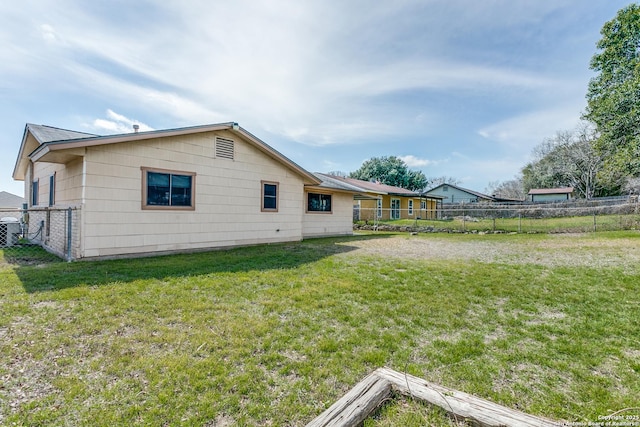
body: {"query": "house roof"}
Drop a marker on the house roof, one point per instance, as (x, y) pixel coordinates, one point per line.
(46, 143)
(45, 133)
(560, 190)
(370, 187)
(9, 200)
(466, 190)
(334, 183)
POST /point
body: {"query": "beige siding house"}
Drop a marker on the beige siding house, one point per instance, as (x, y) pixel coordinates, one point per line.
(173, 190)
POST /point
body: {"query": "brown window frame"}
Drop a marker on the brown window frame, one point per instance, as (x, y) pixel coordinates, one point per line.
(146, 206)
(263, 195)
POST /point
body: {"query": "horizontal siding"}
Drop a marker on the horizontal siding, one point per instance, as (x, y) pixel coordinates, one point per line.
(68, 183)
(338, 222)
(227, 197)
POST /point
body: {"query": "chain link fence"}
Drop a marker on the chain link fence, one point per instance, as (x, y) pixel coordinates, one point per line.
(36, 235)
(574, 217)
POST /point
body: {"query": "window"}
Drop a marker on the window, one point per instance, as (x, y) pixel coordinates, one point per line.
(395, 208)
(52, 190)
(423, 204)
(269, 196)
(167, 189)
(445, 188)
(317, 202)
(34, 192)
(379, 208)
(410, 207)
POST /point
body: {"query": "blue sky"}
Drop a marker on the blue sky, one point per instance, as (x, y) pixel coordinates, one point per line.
(460, 88)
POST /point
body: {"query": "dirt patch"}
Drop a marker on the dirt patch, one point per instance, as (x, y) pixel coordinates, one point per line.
(552, 251)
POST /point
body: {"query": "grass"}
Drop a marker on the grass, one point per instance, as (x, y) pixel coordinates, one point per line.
(273, 335)
(575, 224)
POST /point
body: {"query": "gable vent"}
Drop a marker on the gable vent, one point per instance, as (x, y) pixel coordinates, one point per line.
(224, 148)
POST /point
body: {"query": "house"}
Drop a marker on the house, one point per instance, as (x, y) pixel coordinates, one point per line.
(184, 189)
(551, 194)
(453, 194)
(380, 201)
(10, 201)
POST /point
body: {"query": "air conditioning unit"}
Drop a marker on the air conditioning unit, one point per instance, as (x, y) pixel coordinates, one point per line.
(9, 231)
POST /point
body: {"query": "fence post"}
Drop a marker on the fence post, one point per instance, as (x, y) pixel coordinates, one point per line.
(69, 233)
(519, 222)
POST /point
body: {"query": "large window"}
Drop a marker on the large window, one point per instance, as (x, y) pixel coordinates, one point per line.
(269, 196)
(317, 202)
(410, 207)
(168, 189)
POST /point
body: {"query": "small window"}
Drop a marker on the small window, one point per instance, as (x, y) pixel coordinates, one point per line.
(423, 204)
(34, 192)
(167, 189)
(269, 196)
(52, 190)
(445, 188)
(410, 207)
(317, 202)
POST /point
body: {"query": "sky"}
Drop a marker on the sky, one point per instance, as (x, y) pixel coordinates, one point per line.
(456, 88)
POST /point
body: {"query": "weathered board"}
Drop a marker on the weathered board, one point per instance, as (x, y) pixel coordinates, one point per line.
(367, 395)
(355, 406)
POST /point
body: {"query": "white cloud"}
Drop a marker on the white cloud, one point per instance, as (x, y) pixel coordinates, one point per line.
(519, 134)
(48, 33)
(289, 76)
(117, 123)
(414, 162)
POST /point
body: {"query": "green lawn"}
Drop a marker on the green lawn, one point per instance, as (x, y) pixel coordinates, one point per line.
(273, 335)
(572, 224)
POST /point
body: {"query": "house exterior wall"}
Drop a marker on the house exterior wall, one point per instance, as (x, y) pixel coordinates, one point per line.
(338, 222)
(227, 198)
(368, 208)
(67, 187)
(550, 197)
(453, 195)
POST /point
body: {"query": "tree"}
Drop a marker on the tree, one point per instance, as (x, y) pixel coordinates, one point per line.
(510, 189)
(613, 97)
(391, 170)
(570, 160)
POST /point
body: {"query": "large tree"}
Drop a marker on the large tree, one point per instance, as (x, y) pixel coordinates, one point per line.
(614, 93)
(391, 170)
(510, 189)
(569, 159)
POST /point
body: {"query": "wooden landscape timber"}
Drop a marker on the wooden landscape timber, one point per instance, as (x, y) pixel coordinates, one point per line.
(361, 401)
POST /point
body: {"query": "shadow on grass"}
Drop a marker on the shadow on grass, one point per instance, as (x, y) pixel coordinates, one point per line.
(254, 258)
(24, 255)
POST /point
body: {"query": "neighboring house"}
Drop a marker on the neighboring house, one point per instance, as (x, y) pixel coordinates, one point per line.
(453, 194)
(10, 201)
(551, 194)
(381, 201)
(174, 190)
